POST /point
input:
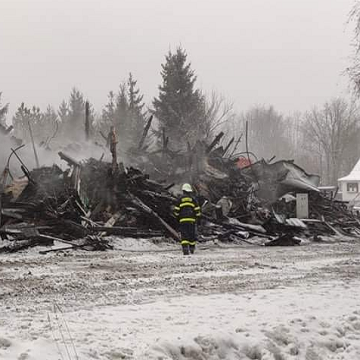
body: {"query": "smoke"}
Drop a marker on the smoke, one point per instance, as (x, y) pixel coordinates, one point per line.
(79, 151)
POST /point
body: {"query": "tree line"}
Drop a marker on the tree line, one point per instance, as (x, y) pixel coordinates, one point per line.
(324, 140)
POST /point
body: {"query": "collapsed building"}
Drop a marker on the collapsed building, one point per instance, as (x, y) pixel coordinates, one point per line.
(242, 199)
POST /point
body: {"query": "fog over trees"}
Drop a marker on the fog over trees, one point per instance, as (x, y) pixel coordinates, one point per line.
(3, 111)
(324, 139)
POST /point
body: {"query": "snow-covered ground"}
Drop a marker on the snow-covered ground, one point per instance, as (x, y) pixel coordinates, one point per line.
(223, 303)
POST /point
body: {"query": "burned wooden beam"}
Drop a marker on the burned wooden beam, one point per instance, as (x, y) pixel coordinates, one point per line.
(23, 167)
(127, 231)
(228, 146)
(103, 135)
(284, 240)
(33, 145)
(6, 130)
(53, 238)
(110, 223)
(145, 132)
(215, 142)
(71, 161)
(87, 121)
(43, 252)
(25, 244)
(168, 187)
(144, 208)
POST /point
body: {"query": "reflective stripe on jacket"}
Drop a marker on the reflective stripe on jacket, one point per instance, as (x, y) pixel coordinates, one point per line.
(187, 209)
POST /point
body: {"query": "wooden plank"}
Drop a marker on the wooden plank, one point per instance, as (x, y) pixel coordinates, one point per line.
(146, 130)
(110, 223)
(140, 205)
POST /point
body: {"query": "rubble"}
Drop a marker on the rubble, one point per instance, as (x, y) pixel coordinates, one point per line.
(55, 206)
(92, 199)
(253, 193)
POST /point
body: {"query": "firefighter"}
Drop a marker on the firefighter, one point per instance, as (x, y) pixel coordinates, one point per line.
(187, 211)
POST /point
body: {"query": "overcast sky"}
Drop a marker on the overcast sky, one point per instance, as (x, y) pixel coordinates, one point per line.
(289, 53)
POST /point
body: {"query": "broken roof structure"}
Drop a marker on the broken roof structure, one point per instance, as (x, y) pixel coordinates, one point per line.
(277, 179)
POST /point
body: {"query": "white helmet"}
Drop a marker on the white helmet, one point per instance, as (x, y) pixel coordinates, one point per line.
(187, 188)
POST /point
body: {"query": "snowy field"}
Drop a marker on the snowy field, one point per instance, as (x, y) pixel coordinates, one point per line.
(150, 302)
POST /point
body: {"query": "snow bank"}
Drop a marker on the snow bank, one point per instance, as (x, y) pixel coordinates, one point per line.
(309, 322)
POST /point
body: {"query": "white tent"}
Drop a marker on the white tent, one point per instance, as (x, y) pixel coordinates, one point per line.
(354, 174)
(350, 185)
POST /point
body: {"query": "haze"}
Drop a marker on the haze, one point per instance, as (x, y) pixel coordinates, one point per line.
(288, 53)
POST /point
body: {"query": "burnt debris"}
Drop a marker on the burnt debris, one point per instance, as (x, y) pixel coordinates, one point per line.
(241, 200)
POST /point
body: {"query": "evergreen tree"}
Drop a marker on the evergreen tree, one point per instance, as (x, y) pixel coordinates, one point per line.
(115, 112)
(20, 120)
(180, 107)
(63, 112)
(25, 116)
(125, 112)
(109, 112)
(121, 112)
(73, 116)
(49, 125)
(75, 127)
(136, 119)
(36, 123)
(3, 111)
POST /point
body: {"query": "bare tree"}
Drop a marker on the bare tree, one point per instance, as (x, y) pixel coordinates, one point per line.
(267, 133)
(354, 70)
(330, 130)
(218, 113)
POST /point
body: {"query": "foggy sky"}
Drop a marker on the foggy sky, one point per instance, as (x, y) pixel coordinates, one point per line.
(288, 53)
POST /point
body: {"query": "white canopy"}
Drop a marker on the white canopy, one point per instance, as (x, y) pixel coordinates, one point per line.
(354, 174)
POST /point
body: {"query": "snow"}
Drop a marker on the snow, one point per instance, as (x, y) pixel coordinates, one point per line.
(311, 323)
(240, 303)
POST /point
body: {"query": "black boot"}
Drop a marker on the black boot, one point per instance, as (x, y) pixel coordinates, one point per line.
(185, 249)
(192, 249)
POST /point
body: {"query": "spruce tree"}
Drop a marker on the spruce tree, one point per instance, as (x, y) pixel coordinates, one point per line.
(121, 114)
(125, 111)
(179, 107)
(36, 123)
(25, 116)
(20, 121)
(109, 112)
(49, 125)
(136, 119)
(63, 111)
(74, 126)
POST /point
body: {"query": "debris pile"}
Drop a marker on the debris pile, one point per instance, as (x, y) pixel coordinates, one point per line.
(243, 197)
(87, 202)
(264, 194)
(240, 199)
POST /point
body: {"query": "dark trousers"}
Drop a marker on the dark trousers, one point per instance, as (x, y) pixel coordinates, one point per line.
(188, 237)
(188, 249)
